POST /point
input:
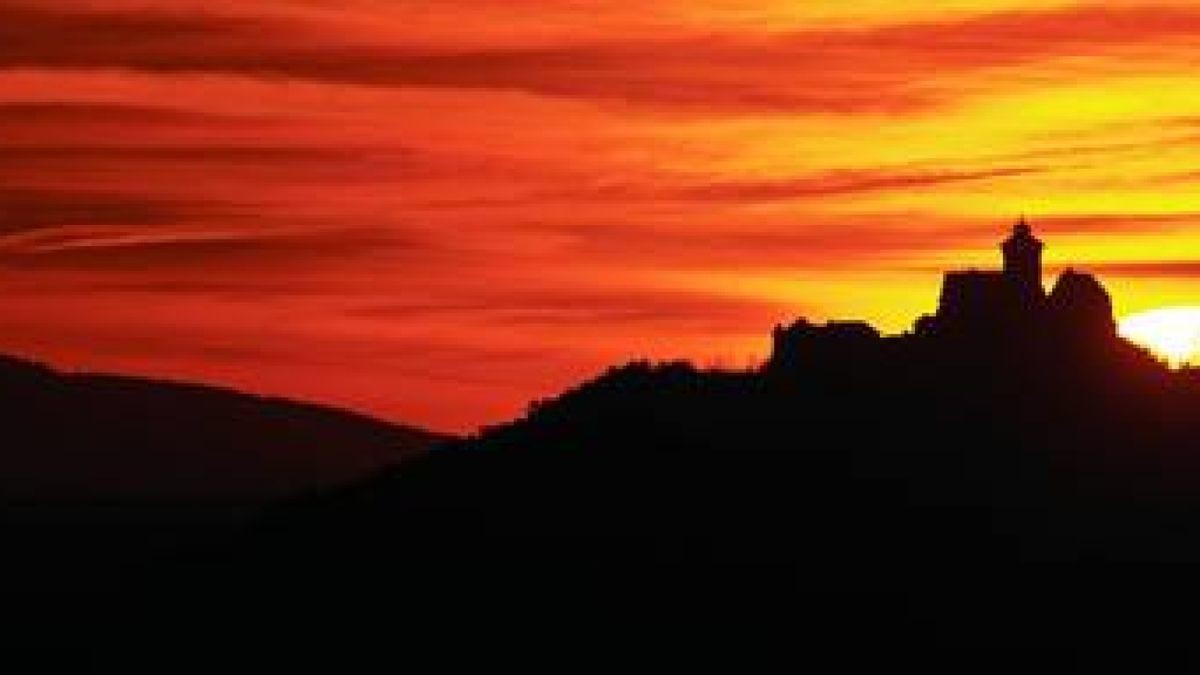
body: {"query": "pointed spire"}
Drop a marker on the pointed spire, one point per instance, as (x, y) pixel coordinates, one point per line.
(1022, 227)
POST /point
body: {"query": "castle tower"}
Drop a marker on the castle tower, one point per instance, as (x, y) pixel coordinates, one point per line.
(1023, 261)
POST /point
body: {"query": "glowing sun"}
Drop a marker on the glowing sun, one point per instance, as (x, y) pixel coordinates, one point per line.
(1171, 332)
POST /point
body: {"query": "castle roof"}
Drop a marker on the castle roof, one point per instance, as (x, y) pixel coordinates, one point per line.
(1022, 237)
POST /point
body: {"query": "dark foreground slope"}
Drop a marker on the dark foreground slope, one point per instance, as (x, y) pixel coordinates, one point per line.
(922, 493)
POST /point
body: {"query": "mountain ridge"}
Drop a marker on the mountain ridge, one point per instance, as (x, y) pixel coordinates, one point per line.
(129, 436)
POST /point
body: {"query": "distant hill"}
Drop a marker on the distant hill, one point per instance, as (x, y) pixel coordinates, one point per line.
(70, 436)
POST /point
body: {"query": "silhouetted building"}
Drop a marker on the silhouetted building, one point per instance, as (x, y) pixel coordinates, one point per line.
(1023, 262)
(999, 303)
(982, 305)
(991, 300)
(805, 344)
(1078, 304)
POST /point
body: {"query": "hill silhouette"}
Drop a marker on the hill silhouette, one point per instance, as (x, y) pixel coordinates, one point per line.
(103, 477)
(860, 496)
(919, 500)
(81, 436)
(904, 492)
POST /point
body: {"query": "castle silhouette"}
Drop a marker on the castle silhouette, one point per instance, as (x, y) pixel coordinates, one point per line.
(1005, 306)
(975, 295)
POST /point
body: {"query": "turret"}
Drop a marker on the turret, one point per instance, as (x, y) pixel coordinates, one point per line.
(1023, 262)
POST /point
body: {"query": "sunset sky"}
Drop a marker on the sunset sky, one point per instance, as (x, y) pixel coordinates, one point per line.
(436, 211)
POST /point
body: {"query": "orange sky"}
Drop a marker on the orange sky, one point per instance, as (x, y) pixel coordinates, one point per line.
(435, 211)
